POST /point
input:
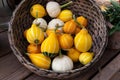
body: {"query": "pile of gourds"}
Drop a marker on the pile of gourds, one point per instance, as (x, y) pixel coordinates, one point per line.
(62, 42)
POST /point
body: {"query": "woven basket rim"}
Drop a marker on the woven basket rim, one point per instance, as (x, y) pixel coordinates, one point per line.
(17, 52)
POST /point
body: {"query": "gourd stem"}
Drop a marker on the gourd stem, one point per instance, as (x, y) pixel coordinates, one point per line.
(60, 53)
(27, 53)
(36, 14)
(56, 27)
(36, 41)
(37, 24)
(80, 25)
(64, 5)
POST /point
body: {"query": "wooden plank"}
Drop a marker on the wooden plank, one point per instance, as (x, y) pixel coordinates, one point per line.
(36, 77)
(108, 72)
(108, 55)
(4, 44)
(116, 76)
(11, 68)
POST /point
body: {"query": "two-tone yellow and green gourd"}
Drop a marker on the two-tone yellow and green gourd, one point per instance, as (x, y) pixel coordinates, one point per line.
(34, 35)
(50, 46)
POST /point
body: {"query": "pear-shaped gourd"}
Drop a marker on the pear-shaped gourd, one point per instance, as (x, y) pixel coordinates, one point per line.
(40, 60)
(50, 46)
(34, 35)
(83, 40)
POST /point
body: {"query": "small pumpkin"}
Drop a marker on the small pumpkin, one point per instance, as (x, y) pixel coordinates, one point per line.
(62, 64)
(83, 40)
(33, 48)
(69, 27)
(40, 60)
(37, 11)
(65, 15)
(85, 57)
(73, 54)
(40, 22)
(66, 41)
(34, 35)
(50, 46)
(77, 29)
(82, 20)
(54, 8)
(55, 24)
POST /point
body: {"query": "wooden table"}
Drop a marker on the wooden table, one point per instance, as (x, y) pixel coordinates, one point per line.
(107, 68)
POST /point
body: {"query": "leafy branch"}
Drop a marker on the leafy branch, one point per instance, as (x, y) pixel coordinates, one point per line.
(112, 14)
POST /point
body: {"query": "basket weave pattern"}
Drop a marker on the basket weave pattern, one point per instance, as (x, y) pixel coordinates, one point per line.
(21, 20)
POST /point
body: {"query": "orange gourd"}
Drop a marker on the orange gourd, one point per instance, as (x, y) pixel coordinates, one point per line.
(82, 20)
(69, 27)
(33, 48)
(66, 41)
(77, 30)
(73, 54)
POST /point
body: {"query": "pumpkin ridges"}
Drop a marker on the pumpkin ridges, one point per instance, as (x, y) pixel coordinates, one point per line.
(40, 60)
(82, 20)
(66, 41)
(31, 48)
(79, 39)
(50, 45)
(34, 35)
(69, 27)
(85, 57)
(83, 41)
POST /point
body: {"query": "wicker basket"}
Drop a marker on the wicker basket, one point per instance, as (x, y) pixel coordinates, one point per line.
(22, 20)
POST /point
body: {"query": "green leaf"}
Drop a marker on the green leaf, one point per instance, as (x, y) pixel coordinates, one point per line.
(115, 28)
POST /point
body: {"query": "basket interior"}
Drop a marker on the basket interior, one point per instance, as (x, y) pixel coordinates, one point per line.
(22, 20)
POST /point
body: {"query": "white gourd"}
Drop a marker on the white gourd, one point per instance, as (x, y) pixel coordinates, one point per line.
(62, 64)
(52, 24)
(41, 23)
(53, 9)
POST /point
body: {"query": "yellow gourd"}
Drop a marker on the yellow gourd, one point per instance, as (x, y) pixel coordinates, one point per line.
(69, 27)
(85, 58)
(65, 15)
(73, 54)
(40, 60)
(83, 40)
(66, 41)
(50, 46)
(34, 35)
(37, 11)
